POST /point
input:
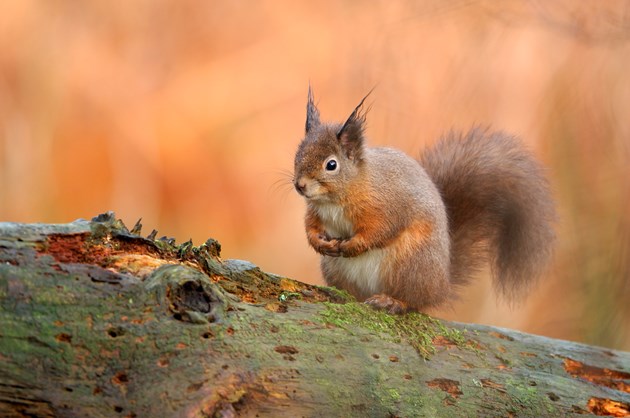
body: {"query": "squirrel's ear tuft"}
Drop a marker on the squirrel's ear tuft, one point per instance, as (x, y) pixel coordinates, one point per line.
(350, 135)
(312, 114)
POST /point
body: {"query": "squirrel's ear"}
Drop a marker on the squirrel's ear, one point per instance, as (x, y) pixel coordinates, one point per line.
(312, 114)
(350, 135)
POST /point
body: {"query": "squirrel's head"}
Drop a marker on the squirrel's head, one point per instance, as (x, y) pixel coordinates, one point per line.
(330, 156)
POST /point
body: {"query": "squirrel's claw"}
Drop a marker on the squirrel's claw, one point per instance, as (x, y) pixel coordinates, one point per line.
(331, 251)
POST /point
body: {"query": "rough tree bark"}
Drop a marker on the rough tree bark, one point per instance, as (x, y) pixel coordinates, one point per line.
(96, 320)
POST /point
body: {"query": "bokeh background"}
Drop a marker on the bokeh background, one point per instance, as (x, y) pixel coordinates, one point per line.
(187, 114)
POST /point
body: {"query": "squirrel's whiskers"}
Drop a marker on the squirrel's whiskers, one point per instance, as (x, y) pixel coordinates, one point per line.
(284, 183)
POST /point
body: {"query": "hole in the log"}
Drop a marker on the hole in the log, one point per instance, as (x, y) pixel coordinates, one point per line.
(118, 409)
(286, 349)
(191, 295)
(608, 407)
(115, 332)
(120, 378)
(67, 389)
(614, 379)
(63, 338)
(207, 335)
(552, 396)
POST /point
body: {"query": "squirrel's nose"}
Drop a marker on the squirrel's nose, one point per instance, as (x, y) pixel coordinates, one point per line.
(300, 186)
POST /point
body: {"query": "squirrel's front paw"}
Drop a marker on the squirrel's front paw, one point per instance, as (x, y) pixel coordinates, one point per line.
(387, 303)
(326, 246)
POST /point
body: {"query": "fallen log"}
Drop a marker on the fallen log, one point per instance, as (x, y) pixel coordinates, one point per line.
(97, 320)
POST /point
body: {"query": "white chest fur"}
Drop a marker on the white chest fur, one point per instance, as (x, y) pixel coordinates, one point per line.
(363, 270)
(335, 222)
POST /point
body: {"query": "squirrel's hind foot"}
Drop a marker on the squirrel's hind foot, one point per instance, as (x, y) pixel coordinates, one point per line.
(387, 303)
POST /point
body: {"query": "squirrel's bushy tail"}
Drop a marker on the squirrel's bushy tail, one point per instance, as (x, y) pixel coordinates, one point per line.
(499, 206)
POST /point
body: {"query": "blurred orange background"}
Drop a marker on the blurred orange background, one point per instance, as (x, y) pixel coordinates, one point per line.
(187, 114)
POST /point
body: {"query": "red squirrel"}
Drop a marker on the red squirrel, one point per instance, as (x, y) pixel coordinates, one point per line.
(404, 234)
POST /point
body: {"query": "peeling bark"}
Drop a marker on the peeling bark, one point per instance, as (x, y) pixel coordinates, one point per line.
(96, 320)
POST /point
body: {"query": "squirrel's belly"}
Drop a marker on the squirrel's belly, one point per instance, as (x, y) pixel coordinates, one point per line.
(363, 270)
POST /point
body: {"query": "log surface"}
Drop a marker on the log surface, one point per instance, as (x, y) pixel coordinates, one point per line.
(96, 320)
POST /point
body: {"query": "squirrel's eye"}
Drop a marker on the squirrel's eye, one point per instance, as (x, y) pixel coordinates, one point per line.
(331, 165)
